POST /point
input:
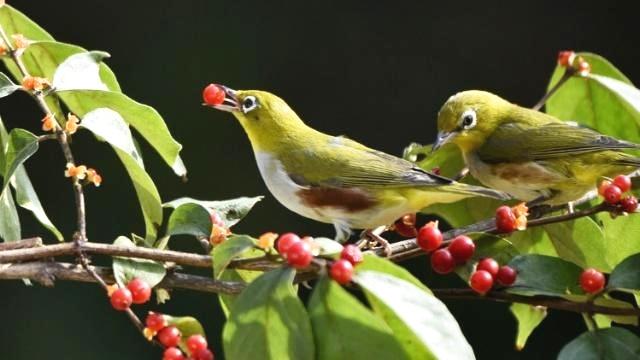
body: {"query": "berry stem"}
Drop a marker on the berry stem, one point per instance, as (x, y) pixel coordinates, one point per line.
(568, 73)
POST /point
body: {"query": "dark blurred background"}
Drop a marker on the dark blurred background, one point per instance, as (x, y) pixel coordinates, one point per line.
(377, 72)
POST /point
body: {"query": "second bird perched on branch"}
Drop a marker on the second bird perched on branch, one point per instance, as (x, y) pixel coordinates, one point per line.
(332, 179)
(531, 155)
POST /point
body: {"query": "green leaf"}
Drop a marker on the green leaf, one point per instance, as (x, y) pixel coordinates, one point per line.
(268, 321)
(600, 101)
(448, 158)
(80, 71)
(528, 318)
(7, 87)
(231, 211)
(9, 220)
(15, 22)
(580, 241)
(234, 247)
(27, 198)
(611, 344)
(620, 236)
(188, 326)
(626, 276)
(190, 219)
(545, 275)
(422, 323)
(243, 276)
(20, 145)
(382, 265)
(108, 125)
(126, 269)
(343, 328)
(146, 120)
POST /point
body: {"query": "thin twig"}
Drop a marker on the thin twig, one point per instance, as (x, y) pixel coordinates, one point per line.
(569, 72)
(549, 302)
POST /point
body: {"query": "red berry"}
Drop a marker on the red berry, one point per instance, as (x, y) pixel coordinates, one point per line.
(565, 58)
(285, 241)
(481, 281)
(121, 299)
(592, 281)
(629, 203)
(436, 170)
(155, 321)
(196, 342)
(442, 261)
(489, 265)
(623, 182)
(213, 95)
(603, 185)
(462, 248)
(406, 226)
(505, 219)
(612, 194)
(140, 290)
(352, 254)
(172, 353)
(506, 275)
(169, 336)
(341, 271)
(429, 237)
(299, 255)
(202, 354)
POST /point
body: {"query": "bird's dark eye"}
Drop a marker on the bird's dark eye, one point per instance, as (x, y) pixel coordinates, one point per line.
(249, 103)
(468, 119)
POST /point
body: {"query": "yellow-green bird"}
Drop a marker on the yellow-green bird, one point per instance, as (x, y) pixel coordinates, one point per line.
(530, 155)
(333, 179)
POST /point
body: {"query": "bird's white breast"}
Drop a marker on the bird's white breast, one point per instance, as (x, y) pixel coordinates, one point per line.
(283, 188)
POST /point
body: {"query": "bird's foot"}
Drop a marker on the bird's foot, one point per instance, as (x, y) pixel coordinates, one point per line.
(371, 238)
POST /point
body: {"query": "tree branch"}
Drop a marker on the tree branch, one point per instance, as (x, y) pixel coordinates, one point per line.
(549, 302)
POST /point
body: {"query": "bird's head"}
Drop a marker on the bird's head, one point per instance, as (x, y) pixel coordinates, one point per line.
(468, 118)
(265, 117)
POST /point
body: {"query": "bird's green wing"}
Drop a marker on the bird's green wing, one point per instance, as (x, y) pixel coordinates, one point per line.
(514, 142)
(345, 163)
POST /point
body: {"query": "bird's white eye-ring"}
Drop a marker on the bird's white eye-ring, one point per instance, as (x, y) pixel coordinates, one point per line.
(468, 119)
(249, 103)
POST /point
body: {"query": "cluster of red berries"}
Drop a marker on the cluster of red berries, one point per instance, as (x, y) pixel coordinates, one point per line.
(213, 95)
(170, 336)
(459, 251)
(341, 270)
(137, 291)
(592, 281)
(295, 250)
(509, 219)
(569, 60)
(489, 271)
(613, 193)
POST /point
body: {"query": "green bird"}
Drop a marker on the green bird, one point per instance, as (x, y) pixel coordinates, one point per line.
(530, 155)
(333, 179)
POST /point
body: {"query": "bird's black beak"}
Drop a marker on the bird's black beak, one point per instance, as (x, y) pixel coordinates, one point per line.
(230, 103)
(443, 138)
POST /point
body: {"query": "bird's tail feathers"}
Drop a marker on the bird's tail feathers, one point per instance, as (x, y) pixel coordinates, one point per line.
(472, 190)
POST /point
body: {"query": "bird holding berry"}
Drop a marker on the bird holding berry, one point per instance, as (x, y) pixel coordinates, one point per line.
(332, 179)
(530, 155)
